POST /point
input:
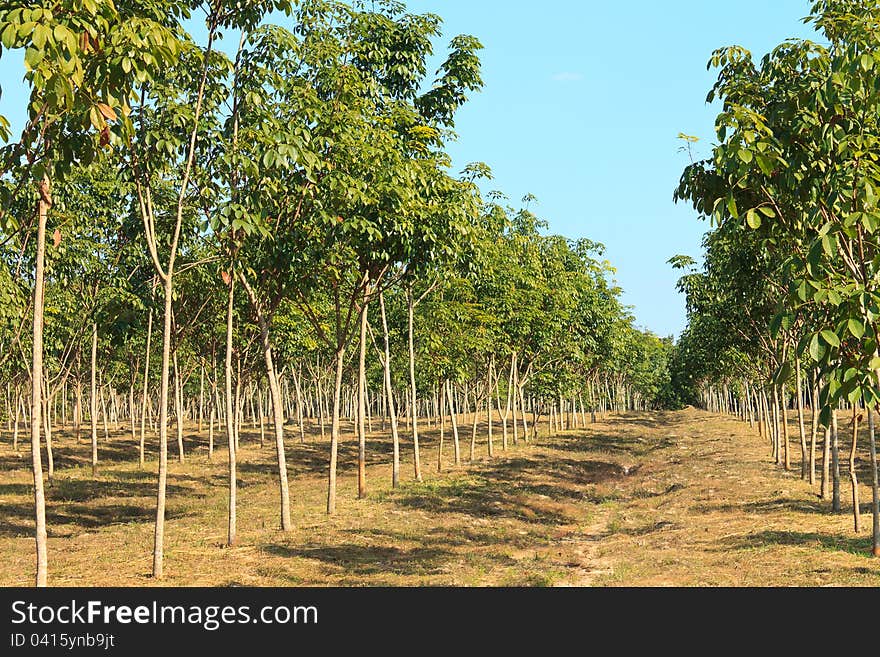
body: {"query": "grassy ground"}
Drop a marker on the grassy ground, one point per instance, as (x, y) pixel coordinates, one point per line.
(685, 498)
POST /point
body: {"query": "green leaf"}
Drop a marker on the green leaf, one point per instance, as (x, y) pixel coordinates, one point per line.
(8, 36)
(831, 338)
(856, 328)
(753, 220)
(731, 207)
(816, 349)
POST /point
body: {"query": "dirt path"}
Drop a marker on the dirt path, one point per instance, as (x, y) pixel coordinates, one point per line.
(707, 507)
(682, 498)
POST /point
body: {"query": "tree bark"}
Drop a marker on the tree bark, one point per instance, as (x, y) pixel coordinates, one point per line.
(361, 399)
(93, 406)
(835, 464)
(277, 406)
(146, 385)
(801, 429)
(334, 431)
(853, 477)
(875, 487)
(178, 409)
(814, 430)
(43, 204)
(412, 382)
(389, 397)
(231, 527)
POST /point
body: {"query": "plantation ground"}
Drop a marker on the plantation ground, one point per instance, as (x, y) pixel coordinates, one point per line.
(678, 498)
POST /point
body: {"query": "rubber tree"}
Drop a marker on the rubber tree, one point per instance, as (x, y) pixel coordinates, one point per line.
(81, 60)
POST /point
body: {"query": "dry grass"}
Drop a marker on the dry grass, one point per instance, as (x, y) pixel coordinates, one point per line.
(682, 498)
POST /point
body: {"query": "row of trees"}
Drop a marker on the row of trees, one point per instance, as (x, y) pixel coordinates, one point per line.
(273, 231)
(785, 311)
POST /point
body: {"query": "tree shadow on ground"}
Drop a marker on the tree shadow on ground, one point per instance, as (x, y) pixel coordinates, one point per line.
(94, 503)
(608, 443)
(65, 520)
(366, 560)
(535, 489)
(445, 537)
(782, 504)
(831, 542)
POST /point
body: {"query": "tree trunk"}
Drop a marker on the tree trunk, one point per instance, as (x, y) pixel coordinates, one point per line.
(783, 403)
(18, 403)
(814, 430)
(178, 409)
(201, 395)
(36, 387)
(824, 484)
(230, 419)
(146, 385)
(442, 426)
(456, 448)
(801, 429)
(835, 464)
(875, 487)
(474, 428)
(489, 405)
(412, 382)
(93, 405)
(334, 430)
(389, 397)
(853, 477)
(299, 409)
(361, 400)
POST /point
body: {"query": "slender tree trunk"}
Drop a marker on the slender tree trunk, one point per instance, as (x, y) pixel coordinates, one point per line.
(801, 429)
(814, 430)
(231, 528)
(201, 395)
(93, 406)
(131, 413)
(784, 416)
(489, 444)
(835, 464)
(361, 400)
(211, 414)
(777, 432)
(474, 428)
(334, 430)
(36, 387)
(389, 396)
(825, 483)
(47, 433)
(18, 403)
(262, 423)
(146, 386)
(178, 405)
(412, 382)
(875, 486)
(450, 395)
(522, 406)
(853, 477)
(513, 399)
(299, 408)
(104, 412)
(440, 442)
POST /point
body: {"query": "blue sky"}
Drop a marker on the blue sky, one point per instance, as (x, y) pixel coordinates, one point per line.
(582, 106)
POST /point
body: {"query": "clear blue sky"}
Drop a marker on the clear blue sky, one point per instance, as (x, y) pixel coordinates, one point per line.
(582, 106)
